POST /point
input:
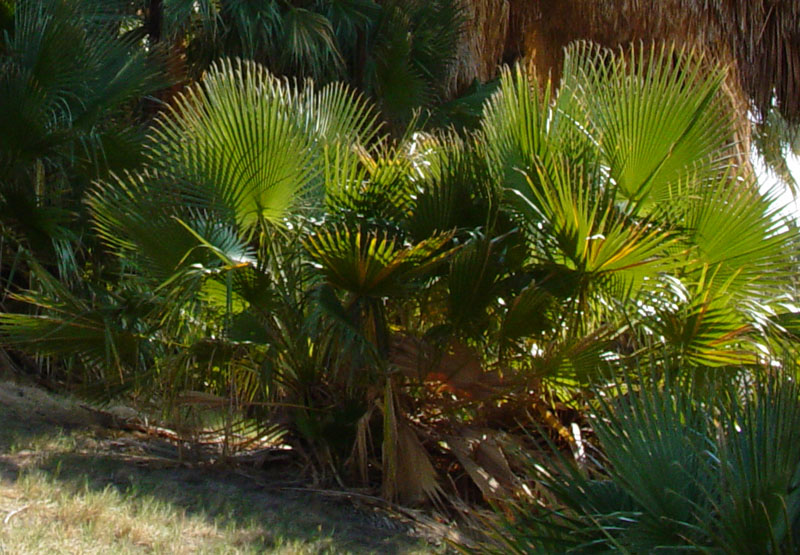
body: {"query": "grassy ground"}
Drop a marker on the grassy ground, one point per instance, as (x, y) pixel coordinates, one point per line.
(69, 487)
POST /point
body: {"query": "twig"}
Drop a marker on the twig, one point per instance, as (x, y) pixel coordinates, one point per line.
(10, 515)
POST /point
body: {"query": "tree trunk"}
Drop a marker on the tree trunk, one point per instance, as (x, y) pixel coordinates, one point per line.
(153, 19)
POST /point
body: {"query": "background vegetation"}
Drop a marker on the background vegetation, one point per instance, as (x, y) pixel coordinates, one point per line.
(560, 289)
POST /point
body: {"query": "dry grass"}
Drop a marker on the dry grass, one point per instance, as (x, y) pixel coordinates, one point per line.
(76, 489)
(42, 516)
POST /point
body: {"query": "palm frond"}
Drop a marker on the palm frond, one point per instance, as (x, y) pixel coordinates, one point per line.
(234, 141)
(412, 52)
(705, 329)
(738, 235)
(370, 262)
(310, 42)
(582, 230)
(108, 335)
(656, 113)
(471, 284)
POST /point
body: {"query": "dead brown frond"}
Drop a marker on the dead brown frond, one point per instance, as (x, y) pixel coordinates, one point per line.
(408, 474)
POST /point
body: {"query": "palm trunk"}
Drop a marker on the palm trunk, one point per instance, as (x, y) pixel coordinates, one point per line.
(153, 19)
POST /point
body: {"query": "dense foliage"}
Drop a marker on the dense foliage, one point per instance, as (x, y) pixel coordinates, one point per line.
(681, 466)
(309, 258)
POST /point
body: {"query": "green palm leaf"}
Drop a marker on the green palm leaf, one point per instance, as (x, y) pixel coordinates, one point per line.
(582, 231)
(370, 262)
(704, 328)
(471, 284)
(738, 235)
(136, 216)
(237, 152)
(311, 43)
(524, 126)
(233, 141)
(685, 467)
(107, 334)
(656, 113)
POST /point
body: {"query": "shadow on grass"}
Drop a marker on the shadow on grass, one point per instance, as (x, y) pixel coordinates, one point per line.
(73, 458)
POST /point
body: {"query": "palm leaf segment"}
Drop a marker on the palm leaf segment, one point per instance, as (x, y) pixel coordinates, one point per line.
(106, 335)
(664, 128)
(739, 235)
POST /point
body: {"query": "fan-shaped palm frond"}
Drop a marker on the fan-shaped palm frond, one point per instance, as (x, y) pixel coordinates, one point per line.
(738, 234)
(590, 236)
(471, 284)
(311, 43)
(136, 217)
(372, 263)
(274, 133)
(531, 311)
(64, 70)
(232, 141)
(376, 188)
(453, 189)
(704, 328)
(525, 124)
(656, 113)
(238, 151)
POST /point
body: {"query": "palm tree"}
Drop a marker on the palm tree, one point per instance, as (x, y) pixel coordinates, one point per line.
(622, 178)
(66, 83)
(276, 248)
